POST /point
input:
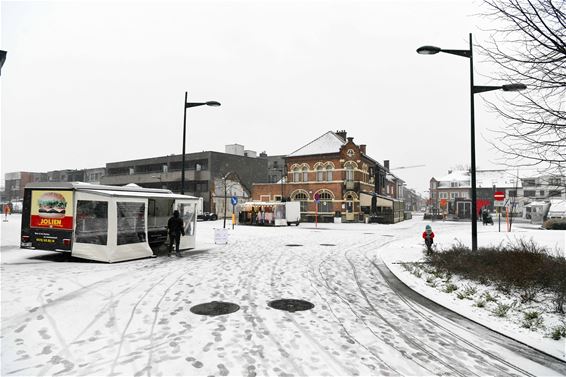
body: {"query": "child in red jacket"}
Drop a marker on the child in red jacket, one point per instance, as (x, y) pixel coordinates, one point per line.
(428, 236)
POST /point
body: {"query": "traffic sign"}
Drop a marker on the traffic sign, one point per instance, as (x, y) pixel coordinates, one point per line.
(234, 200)
(499, 195)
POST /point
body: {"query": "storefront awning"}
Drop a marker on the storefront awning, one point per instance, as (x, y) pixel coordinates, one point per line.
(365, 201)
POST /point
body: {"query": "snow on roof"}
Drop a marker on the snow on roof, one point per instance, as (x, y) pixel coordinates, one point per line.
(484, 178)
(536, 204)
(499, 178)
(557, 205)
(327, 143)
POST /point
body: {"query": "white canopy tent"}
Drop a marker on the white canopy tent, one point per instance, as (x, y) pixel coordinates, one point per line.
(112, 224)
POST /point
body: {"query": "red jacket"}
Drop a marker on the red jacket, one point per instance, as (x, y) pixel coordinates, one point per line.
(425, 235)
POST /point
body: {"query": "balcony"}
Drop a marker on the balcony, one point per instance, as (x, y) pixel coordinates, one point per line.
(352, 185)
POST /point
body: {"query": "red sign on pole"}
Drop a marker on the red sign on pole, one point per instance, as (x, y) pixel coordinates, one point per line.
(499, 195)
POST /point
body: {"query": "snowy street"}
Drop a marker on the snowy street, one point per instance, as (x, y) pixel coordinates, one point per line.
(75, 317)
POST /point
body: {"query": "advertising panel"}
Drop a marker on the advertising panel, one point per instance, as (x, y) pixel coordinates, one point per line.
(52, 209)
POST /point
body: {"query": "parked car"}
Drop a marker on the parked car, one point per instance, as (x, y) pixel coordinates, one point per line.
(207, 216)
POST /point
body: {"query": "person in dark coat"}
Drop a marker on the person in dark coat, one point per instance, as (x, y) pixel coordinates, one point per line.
(176, 229)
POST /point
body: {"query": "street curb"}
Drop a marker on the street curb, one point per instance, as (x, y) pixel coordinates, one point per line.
(563, 360)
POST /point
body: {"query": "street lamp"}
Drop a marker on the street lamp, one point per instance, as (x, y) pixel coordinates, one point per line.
(226, 194)
(431, 50)
(186, 106)
(283, 179)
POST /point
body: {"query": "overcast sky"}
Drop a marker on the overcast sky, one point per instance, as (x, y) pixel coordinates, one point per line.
(86, 83)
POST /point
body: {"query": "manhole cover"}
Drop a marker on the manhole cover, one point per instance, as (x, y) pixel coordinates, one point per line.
(291, 305)
(327, 244)
(215, 308)
(293, 244)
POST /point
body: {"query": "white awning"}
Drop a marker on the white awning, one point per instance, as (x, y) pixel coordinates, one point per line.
(365, 201)
(136, 194)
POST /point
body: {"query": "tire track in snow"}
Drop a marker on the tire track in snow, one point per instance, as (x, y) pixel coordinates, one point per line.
(413, 341)
(337, 365)
(349, 304)
(489, 354)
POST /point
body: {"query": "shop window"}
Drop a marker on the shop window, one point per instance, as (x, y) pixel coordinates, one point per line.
(325, 203)
(92, 222)
(303, 198)
(131, 222)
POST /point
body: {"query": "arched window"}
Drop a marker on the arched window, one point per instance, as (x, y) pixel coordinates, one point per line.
(305, 174)
(303, 198)
(320, 173)
(349, 168)
(297, 175)
(329, 169)
(325, 203)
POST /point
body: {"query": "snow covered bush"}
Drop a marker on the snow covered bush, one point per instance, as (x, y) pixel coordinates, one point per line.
(555, 224)
(532, 320)
(521, 266)
(558, 332)
(501, 310)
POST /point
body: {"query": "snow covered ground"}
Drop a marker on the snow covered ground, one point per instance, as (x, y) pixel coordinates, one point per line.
(72, 317)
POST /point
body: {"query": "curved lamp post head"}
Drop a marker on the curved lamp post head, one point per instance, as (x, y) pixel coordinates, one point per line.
(212, 103)
(513, 87)
(428, 50)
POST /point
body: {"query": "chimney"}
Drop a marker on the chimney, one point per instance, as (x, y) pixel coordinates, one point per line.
(386, 164)
(449, 171)
(342, 134)
(363, 148)
(350, 140)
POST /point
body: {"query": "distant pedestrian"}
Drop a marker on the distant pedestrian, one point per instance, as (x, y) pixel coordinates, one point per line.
(485, 216)
(428, 236)
(6, 211)
(176, 229)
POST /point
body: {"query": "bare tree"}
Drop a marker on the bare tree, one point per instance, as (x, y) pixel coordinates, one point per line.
(530, 48)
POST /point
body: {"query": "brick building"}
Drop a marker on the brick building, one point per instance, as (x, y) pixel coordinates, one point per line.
(341, 175)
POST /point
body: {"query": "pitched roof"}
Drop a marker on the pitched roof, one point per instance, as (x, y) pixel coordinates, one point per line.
(327, 143)
(484, 179)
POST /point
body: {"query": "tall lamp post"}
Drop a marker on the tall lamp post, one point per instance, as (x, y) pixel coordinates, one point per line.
(431, 50)
(226, 194)
(283, 179)
(186, 106)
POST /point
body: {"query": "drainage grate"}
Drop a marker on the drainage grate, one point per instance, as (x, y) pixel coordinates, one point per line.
(327, 244)
(215, 308)
(291, 305)
(293, 245)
